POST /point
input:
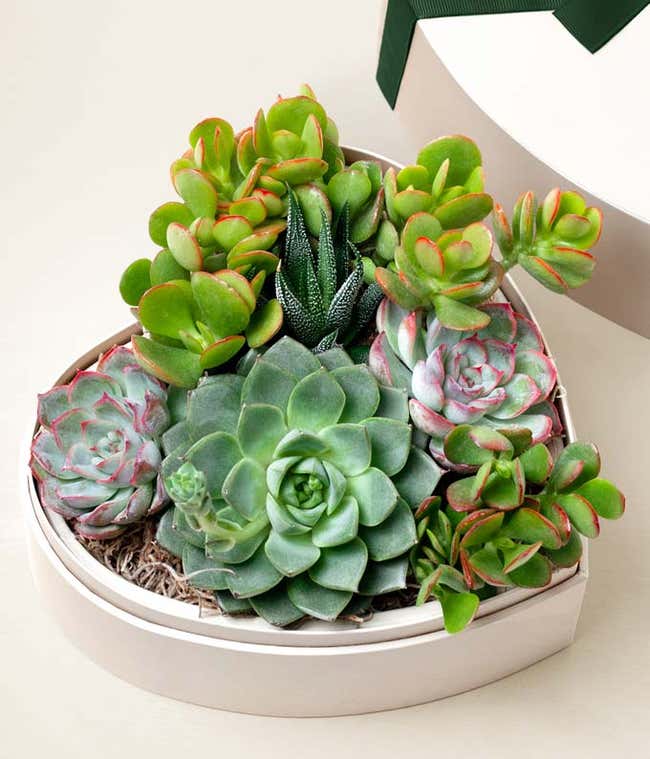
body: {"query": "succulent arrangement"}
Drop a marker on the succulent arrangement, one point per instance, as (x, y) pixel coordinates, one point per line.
(330, 400)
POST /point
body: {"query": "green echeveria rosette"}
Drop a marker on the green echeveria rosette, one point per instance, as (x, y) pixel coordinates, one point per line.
(498, 376)
(97, 455)
(294, 484)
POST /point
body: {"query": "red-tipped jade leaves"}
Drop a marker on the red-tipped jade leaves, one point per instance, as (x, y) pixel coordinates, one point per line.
(512, 522)
(201, 324)
(551, 242)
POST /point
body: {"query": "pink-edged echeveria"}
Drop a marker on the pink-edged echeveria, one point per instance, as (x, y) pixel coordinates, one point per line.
(497, 376)
(97, 453)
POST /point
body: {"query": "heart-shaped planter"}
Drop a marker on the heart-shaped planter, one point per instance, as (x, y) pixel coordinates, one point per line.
(397, 658)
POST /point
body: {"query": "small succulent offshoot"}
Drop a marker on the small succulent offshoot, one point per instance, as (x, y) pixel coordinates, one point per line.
(300, 479)
(510, 524)
(322, 291)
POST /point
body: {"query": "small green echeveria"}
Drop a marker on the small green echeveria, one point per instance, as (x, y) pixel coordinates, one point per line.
(294, 484)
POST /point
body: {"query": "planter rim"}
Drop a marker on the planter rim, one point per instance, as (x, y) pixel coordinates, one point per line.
(153, 608)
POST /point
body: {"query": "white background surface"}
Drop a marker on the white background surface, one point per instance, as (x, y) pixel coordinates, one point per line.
(584, 115)
(96, 100)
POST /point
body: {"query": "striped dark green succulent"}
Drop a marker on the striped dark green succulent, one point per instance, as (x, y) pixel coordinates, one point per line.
(321, 287)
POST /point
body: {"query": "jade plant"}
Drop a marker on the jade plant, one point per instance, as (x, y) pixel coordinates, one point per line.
(497, 376)
(322, 291)
(447, 181)
(552, 243)
(199, 325)
(514, 521)
(294, 485)
(447, 263)
(97, 454)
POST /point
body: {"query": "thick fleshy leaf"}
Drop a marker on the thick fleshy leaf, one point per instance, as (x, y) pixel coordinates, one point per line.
(276, 608)
(535, 573)
(569, 554)
(349, 447)
(176, 366)
(393, 403)
(264, 323)
(393, 537)
(459, 316)
(605, 498)
(487, 565)
(163, 216)
(458, 609)
(260, 429)
(384, 576)
(184, 247)
(581, 513)
(341, 567)
(390, 442)
(375, 494)
(418, 478)
(338, 527)
(461, 152)
(205, 573)
(313, 599)
(465, 210)
(135, 281)
(167, 537)
(292, 357)
(482, 531)
(297, 443)
(518, 554)
(530, 526)
(316, 402)
(197, 191)
(167, 310)
(537, 463)
(245, 488)
(267, 383)
(215, 455)
(577, 463)
(254, 576)
(540, 368)
(361, 392)
(291, 554)
(220, 351)
(222, 308)
(214, 405)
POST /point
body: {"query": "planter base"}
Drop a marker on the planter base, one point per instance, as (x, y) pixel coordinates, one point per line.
(299, 681)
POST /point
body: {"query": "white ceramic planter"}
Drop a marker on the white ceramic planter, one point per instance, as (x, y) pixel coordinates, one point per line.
(398, 658)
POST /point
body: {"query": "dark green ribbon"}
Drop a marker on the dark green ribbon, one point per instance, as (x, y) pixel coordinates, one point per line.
(591, 22)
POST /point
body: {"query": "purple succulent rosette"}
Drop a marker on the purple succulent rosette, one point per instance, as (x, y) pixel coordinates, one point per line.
(97, 454)
(498, 376)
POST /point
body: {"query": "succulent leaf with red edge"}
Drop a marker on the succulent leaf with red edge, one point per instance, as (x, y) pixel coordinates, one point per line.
(199, 325)
(511, 523)
(551, 242)
(450, 272)
(497, 376)
(97, 453)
